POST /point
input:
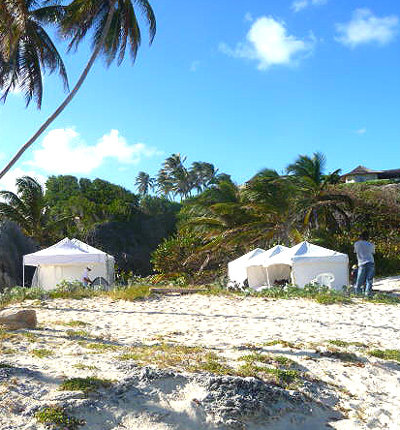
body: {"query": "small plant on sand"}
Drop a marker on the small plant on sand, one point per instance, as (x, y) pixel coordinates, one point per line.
(86, 385)
(130, 293)
(72, 323)
(28, 336)
(284, 343)
(344, 344)
(341, 355)
(42, 353)
(384, 298)
(77, 333)
(56, 417)
(98, 347)
(386, 354)
(278, 360)
(82, 366)
(255, 366)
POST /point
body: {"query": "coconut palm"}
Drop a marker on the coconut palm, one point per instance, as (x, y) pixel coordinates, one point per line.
(26, 49)
(316, 203)
(114, 28)
(204, 174)
(26, 208)
(144, 183)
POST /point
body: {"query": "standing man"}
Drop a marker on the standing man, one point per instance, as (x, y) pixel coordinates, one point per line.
(85, 277)
(366, 266)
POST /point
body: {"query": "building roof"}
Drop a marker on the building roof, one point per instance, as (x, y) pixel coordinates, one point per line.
(389, 174)
(361, 170)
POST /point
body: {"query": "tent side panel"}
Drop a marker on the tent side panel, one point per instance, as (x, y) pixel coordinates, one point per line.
(257, 277)
(304, 273)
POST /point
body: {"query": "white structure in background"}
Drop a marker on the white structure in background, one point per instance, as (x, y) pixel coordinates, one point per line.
(304, 263)
(257, 275)
(67, 260)
(237, 269)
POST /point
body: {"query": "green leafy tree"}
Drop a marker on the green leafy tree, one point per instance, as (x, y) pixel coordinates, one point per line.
(27, 208)
(27, 51)
(144, 183)
(318, 203)
(114, 28)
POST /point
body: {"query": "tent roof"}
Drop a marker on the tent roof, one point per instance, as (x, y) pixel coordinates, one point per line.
(261, 259)
(305, 251)
(245, 258)
(66, 252)
(361, 170)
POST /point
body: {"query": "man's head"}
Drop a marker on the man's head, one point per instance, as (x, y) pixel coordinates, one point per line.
(88, 268)
(364, 235)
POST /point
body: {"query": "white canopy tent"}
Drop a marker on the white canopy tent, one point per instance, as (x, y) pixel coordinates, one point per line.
(304, 262)
(257, 275)
(67, 260)
(237, 269)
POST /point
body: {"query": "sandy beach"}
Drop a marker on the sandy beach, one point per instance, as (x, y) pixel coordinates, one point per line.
(361, 393)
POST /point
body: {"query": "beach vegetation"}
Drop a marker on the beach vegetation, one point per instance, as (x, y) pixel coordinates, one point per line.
(77, 333)
(345, 344)
(98, 347)
(386, 354)
(82, 366)
(42, 353)
(72, 323)
(87, 385)
(56, 417)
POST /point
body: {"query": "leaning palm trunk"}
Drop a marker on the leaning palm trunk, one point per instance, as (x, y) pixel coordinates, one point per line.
(68, 99)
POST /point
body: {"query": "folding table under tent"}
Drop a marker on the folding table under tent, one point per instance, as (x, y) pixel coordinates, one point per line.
(304, 262)
(237, 269)
(257, 275)
(67, 260)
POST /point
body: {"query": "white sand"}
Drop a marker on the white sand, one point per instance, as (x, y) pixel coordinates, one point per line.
(368, 393)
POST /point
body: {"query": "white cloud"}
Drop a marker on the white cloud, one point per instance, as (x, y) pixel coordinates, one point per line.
(7, 182)
(63, 151)
(269, 43)
(365, 28)
(361, 131)
(299, 5)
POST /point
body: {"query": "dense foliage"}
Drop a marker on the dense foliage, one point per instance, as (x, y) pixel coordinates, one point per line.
(219, 222)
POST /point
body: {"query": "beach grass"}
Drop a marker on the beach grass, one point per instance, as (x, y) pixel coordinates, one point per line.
(42, 353)
(386, 354)
(56, 417)
(86, 385)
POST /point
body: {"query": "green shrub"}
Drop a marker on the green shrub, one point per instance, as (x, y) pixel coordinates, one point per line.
(56, 417)
(86, 385)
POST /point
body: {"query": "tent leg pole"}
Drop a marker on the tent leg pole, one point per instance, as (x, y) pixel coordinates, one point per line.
(23, 275)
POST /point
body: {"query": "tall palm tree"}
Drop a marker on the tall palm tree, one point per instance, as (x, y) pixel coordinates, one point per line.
(204, 174)
(144, 183)
(26, 208)
(114, 26)
(26, 49)
(317, 203)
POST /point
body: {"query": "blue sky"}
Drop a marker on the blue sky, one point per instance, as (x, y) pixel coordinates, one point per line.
(242, 84)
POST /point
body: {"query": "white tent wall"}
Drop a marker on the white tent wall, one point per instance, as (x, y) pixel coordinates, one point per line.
(237, 269)
(48, 276)
(67, 260)
(303, 271)
(257, 277)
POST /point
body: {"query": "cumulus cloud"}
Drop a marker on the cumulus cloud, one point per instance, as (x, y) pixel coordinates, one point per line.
(7, 182)
(63, 151)
(299, 5)
(269, 43)
(365, 27)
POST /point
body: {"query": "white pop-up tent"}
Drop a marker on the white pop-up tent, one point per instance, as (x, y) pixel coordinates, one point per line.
(257, 274)
(237, 269)
(67, 260)
(305, 262)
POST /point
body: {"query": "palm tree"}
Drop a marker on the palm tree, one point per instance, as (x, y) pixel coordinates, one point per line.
(317, 204)
(144, 183)
(26, 208)
(26, 49)
(114, 26)
(204, 174)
